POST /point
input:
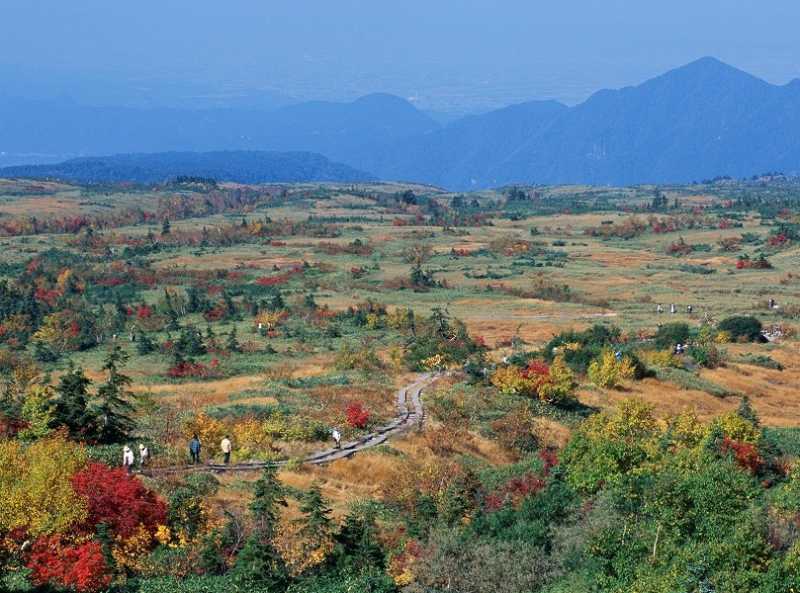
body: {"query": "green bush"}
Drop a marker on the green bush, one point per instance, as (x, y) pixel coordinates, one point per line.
(670, 334)
(741, 327)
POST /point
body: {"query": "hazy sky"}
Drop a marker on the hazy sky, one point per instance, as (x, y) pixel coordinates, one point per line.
(446, 54)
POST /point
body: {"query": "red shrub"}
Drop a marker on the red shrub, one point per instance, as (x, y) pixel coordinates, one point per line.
(80, 566)
(192, 369)
(357, 415)
(536, 368)
(144, 312)
(745, 454)
(117, 499)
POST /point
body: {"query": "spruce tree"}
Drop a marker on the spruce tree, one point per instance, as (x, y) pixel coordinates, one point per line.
(72, 405)
(357, 545)
(747, 412)
(317, 525)
(259, 564)
(232, 344)
(114, 423)
(145, 344)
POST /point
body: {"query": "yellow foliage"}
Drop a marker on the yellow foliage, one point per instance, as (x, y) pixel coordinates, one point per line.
(687, 429)
(560, 384)
(37, 411)
(633, 419)
(399, 318)
(722, 337)
(660, 358)
(131, 553)
(509, 380)
(35, 487)
(737, 428)
(610, 372)
(270, 319)
(299, 552)
(373, 321)
(437, 362)
(208, 429)
(52, 332)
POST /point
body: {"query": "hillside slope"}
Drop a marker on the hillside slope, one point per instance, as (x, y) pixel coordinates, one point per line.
(240, 166)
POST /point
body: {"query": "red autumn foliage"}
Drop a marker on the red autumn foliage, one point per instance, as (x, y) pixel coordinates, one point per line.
(745, 454)
(357, 415)
(192, 369)
(118, 500)
(536, 368)
(515, 490)
(778, 240)
(279, 278)
(144, 312)
(81, 567)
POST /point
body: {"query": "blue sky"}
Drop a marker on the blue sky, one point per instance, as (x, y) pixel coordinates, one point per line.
(445, 54)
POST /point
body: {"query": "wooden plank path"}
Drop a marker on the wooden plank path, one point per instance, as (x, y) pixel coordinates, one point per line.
(410, 413)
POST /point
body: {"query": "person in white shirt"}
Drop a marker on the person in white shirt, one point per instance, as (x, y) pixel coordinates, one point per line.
(226, 447)
(127, 458)
(337, 437)
(144, 455)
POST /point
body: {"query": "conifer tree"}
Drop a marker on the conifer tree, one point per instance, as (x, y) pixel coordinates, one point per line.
(232, 344)
(259, 564)
(72, 404)
(114, 423)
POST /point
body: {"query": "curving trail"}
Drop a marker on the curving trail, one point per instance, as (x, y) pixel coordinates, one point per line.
(410, 413)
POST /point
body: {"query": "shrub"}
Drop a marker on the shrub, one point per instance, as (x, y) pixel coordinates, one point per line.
(81, 567)
(609, 371)
(118, 500)
(670, 334)
(357, 415)
(742, 327)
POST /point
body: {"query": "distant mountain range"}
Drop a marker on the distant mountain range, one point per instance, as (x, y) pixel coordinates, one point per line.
(699, 121)
(702, 120)
(239, 166)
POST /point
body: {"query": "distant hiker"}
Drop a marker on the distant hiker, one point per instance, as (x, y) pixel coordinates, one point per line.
(678, 348)
(127, 458)
(659, 309)
(771, 304)
(226, 446)
(673, 309)
(689, 309)
(144, 455)
(618, 355)
(194, 449)
(337, 438)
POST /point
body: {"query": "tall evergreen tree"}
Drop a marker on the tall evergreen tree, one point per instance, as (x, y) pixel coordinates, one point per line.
(113, 409)
(232, 344)
(259, 564)
(357, 545)
(72, 405)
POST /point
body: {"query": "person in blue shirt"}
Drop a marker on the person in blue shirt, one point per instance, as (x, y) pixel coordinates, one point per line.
(194, 449)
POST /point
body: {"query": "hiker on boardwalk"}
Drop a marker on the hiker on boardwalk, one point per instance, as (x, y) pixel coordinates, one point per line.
(127, 458)
(659, 309)
(144, 455)
(673, 309)
(194, 449)
(689, 309)
(337, 438)
(226, 447)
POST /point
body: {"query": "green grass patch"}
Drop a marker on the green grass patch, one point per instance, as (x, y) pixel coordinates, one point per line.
(688, 380)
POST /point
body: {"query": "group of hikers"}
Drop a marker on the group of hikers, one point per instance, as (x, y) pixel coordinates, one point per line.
(128, 458)
(195, 449)
(673, 308)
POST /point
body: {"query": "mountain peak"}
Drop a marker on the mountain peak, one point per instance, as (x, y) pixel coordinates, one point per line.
(708, 69)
